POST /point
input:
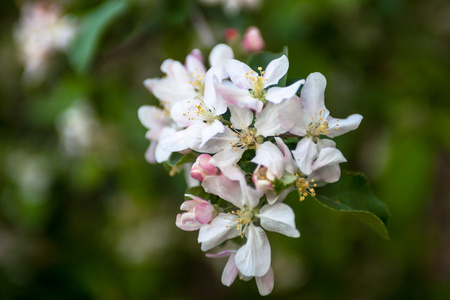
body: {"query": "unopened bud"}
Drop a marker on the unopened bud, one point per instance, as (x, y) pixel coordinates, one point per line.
(203, 168)
(252, 41)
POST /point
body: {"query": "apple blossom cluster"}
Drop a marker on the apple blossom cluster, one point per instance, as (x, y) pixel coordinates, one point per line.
(41, 31)
(248, 140)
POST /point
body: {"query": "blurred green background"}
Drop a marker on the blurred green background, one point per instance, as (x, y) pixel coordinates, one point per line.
(89, 218)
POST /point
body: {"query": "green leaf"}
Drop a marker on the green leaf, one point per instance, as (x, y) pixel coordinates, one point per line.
(352, 194)
(177, 159)
(247, 166)
(262, 59)
(199, 192)
(92, 26)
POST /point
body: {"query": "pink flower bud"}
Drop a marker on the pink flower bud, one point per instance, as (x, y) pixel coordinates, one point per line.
(252, 41)
(263, 179)
(203, 168)
(198, 212)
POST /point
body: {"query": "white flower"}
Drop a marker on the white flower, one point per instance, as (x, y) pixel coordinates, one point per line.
(307, 116)
(159, 125)
(250, 89)
(197, 109)
(322, 167)
(253, 258)
(230, 272)
(240, 136)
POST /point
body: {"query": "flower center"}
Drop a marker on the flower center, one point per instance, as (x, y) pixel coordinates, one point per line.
(198, 82)
(319, 125)
(304, 187)
(257, 83)
(199, 111)
(243, 219)
(247, 138)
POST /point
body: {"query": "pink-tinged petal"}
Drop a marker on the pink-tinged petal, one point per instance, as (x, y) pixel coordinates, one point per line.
(225, 253)
(288, 161)
(276, 69)
(280, 218)
(241, 117)
(328, 156)
(150, 153)
(237, 71)
(194, 63)
(187, 222)
(291, 116)
(204, 162)
(265, 283)
(304, 154)
(340, 126)
(270, 156)
(219, 55)
(175, 71)
(204, 213)
(328, 174)
(221, 228)
(313, 93)
(253, 259)
(267, 123)
(189, 205)
(173, 142)
(230, 271)
(238, 97)
(211, 130)
(278, 94)
(224, 188)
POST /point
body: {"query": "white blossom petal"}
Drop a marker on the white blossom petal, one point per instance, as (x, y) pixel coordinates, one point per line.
(241, 117)
(194, 63)
(173, 142)
(238, 97)
(270, 156)
(278, 94)
(221, 228)
(340, 126)
(253, 259)
(328, 156)
(267, 122)
(280, 218)
(276, 69)
(219, 55)
(313, 93)
(304, 154)
(211, 130)
(291, 116)
(224, 188)
(237, 71)
(265, 283)
(328, 174)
